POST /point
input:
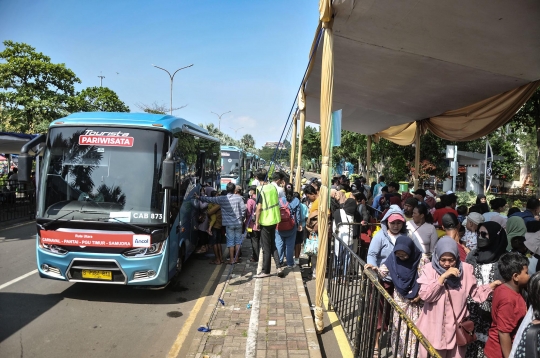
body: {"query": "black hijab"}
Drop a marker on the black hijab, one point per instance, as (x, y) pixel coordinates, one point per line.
(404, 273)
(497, 243)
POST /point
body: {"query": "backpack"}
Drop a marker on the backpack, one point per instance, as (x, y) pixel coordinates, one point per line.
(287, 220)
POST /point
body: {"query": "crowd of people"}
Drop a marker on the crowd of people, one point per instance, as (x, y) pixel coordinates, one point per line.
(448, 267)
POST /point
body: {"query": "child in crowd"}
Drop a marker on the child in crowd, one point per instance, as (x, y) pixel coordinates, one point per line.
(508, 306)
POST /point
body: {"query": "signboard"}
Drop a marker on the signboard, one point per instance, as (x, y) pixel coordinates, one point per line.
(93, 239)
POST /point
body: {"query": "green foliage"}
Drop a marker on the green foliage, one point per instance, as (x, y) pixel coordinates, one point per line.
(98, 99)
(311, 146)
(247, 142)
(469, 198)
(34, 91)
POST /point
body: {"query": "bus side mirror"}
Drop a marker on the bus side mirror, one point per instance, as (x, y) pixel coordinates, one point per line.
(167, 174)
(25, 167)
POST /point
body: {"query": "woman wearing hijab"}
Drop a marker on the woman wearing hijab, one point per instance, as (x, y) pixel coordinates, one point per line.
(481, 202)
(380, 248)
(345, 233)
(515, 226)
(403, 267)
(491, 245)
(444, 279)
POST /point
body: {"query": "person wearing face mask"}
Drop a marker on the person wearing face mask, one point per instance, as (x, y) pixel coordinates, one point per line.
(471, 226)
(491, 245)
(445, 287)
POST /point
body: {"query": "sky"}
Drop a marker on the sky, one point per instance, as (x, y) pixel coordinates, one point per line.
(248, 56)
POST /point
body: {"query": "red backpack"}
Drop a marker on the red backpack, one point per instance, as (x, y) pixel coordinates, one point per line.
(287, 220)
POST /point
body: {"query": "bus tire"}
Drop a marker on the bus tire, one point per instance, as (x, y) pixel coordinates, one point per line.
(180, 260)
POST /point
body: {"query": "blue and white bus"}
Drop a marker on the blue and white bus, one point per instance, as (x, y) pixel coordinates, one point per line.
(115, 195)
(233, 166)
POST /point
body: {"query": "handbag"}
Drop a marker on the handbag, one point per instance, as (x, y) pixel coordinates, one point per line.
(531, 345)
(464, 329)
(311, 246)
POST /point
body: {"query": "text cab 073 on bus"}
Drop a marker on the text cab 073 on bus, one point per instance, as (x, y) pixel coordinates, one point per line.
(115, 195)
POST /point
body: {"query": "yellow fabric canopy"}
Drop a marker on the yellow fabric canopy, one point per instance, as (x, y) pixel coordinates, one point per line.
(467, 123)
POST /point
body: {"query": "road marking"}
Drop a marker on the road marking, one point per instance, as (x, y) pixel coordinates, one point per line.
(18, 279)
(177, 345)
(251, 342)
(18, 225)
(341, 338)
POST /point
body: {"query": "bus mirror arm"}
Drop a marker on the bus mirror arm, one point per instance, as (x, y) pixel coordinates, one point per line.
(168, 170)
(25, 159)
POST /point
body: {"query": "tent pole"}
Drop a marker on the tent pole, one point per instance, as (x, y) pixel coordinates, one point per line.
(368, 160)
(302, 109)
(293, 148)
(417, 158)
(327, 86)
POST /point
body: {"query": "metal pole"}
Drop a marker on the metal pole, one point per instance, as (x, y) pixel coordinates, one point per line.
(219, 117)
(454, 176)
(172, 79)
(293, 149)
(417, 158)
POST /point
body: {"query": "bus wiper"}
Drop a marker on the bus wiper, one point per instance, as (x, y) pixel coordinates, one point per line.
(50, 222)
(146, 231)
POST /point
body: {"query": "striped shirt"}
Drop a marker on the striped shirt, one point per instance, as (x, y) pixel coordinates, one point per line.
(233, 208)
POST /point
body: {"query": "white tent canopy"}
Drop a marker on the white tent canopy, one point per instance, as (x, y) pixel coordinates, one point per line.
(396, 62)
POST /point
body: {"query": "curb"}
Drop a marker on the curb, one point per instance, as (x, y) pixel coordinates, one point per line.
(307, 317)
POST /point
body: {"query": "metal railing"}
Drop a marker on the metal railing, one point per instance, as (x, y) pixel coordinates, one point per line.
(362, 305)
(17, 201)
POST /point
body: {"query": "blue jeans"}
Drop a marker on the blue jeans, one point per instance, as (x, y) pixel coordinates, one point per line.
(234, 235)
(285, 241)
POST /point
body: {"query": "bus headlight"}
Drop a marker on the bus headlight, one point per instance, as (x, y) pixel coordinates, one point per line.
(55, 249)
(154, 249)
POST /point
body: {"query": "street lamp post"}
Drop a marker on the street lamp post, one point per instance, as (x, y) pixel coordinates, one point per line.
(236, 132)
(172, 78)
(219, 116)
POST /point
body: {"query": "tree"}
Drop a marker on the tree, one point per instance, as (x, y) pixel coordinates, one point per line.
(33, 90)
(156, 108)
(98, 99)
(248, 142)
(311, 145)
(224, 138)
(527, 120)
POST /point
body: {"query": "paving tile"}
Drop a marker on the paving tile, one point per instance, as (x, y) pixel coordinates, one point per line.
(282, 319)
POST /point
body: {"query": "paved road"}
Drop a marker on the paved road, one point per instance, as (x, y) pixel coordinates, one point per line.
(46, 318)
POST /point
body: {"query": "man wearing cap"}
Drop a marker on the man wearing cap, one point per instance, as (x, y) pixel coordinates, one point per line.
(471, 226)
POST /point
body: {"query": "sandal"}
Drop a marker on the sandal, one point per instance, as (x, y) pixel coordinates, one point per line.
(214, 262)
(202, 250)
(253, 260)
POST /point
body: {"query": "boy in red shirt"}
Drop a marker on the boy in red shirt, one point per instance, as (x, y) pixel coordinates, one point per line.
(508, 307)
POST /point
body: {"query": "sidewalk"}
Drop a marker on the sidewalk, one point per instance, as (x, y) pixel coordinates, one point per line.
(278, 324)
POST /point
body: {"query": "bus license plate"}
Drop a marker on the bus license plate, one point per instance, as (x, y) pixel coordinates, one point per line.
(99, 275)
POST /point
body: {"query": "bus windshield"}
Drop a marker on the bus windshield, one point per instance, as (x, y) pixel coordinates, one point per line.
(112, 171)
(230, 163)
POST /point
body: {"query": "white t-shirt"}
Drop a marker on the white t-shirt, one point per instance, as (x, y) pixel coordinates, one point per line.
(280, 191)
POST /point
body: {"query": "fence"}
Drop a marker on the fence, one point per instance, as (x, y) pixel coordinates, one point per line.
(17, 201)
(362, 303)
